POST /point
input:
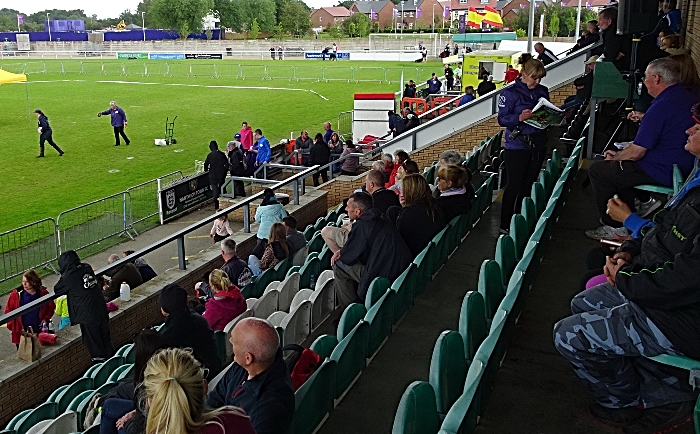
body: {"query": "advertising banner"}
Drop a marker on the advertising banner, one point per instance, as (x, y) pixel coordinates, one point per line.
(132, 55)
(319, 55)
(182, 195)
(204, 56)
(166, 56)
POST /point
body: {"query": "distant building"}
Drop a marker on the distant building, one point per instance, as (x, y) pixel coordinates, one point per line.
(378, 11)
(460, 7)
(324, 17)
(420, 13)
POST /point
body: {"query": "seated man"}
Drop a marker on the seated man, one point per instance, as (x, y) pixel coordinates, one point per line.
(649, 306)
(258, 381)
(235, 268)
(126, 273)
(374, 248)
(147, 272)
(187, 329)
(583, 84)
(295, 238)
(658, 145)
(381, 197)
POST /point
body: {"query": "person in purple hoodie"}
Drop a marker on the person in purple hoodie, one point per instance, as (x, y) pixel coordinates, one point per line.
(118, 121)
(227, 302)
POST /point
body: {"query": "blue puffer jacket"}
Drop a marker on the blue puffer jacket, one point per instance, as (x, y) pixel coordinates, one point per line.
(266, 215)
(511, 103)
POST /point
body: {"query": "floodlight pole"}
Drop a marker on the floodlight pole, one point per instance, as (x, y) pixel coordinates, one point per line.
(143, 25)
(48, 24)
(578, 19)
(531, 26)
(433, 17)
(402, 20)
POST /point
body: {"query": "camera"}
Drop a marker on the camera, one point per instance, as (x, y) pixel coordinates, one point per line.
(515, 133)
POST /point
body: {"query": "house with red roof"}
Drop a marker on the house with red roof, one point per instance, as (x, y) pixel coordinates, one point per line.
(324, 17)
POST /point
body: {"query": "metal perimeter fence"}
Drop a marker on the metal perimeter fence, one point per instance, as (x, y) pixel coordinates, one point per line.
(40, 243)
(224, 70)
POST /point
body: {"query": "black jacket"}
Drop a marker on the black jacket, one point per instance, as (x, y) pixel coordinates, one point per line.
(585, 40)
(613, 44)
(44, 123)
(663, 277)
(320, 153)
(457, 204)
(383, 199)
(235, 162)
(416, 226)
(375, 243)
(396, 122)
(128, 273)
(485, 87)
(216, 163)
(267, 398)
(587, 82)
(296, 240)
(547, 57)
(85, 302)
(411, 120)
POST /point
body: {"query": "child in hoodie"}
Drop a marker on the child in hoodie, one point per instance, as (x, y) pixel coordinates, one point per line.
(227, 302)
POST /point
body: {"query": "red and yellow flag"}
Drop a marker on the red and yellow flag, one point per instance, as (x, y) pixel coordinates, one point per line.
(491, 17)
(474, 18)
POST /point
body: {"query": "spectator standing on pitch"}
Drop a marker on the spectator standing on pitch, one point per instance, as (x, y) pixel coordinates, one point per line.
(85, 305)
(118, 121)
(45, 134)
(246, 136)
(217, 165)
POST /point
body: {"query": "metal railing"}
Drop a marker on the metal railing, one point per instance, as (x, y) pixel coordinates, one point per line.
(178, 237)
(345, 123)
(30, 246)
(144, 198)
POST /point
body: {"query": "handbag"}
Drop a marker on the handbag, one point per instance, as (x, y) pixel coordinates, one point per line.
(47, 338)
(29, 346)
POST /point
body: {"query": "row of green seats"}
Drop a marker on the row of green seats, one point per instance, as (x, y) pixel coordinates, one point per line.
(480, 156)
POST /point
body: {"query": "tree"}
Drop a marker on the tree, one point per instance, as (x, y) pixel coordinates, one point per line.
(346, 3)
(185, 16)
(229, 14)
(360, 25)
(333, 31)
(254, 29)
(295, 18)
(263, 11)
(554, 24)
(279, 31)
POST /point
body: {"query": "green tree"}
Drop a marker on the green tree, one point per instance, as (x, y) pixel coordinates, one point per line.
(279, 31)
(554, 24)
(185, 16)
(254, 29)
(346, 3)
(295, 18)
(351, 29)
(334, 31)
(263, 11)
(360, 25)
(229, 14)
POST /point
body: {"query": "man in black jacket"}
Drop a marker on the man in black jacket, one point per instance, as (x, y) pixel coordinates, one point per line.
(236, 163)
(127, 273)
(85, 305)
(650, 306)
(187, 329)
(486, 85)
(616, 48)
(382, 198)
(235, 268)
(217, 165)
(374, 248)
(304, 144)
(545, 55)
(258, 380)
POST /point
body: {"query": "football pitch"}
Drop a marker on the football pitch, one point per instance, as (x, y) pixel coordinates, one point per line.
(210, 101)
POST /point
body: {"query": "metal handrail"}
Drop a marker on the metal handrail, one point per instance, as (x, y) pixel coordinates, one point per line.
(178, 236)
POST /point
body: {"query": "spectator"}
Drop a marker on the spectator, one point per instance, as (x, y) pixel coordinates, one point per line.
(276, 249)
(670, 21)
(616, 48)
(304, 143)
(672, 45)
(388, 160)
(588, 37)
(651, 289)
(407, 168)
(328, 132)
(451, 156)
(187, 329)
(650, 157)
(350, 164)
(264, 152)
(511, 74)
(456, 191)
(396, 124)
(419, 219)
(410, 119)
(235, 268)
(175, 389)
(458, 75)
(336, 149)
(379, 165)
(373, 248)
(434, 85)
(320, 154)
(468, 96)
(258, 381)
(525, 145)
(237, 164)
(689, 74)
(449, 76)
(30, 290)
(85, 305)
(296, 239)
(400, 157)
(221, 229)
(336, 237)
(583, 84)
(227, 302)
(217, 166)
(147, 272)
(382, 198)
(523, 58)
(544, 55)
(270, 211)
(121, 405)
(486, 85)
(127, 273)
(409, 90)
(246, 136)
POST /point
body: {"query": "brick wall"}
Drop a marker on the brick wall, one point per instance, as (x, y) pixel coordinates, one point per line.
(690, 36)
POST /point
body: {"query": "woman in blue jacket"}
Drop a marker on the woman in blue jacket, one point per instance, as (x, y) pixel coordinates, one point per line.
(525, 145)
(270, 211)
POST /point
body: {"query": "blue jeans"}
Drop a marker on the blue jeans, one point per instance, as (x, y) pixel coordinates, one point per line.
(112, 410)
(254, 265)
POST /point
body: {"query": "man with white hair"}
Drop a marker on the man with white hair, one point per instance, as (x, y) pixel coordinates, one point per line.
(127, 273)
(545, 55)
(118, 121)
(451, 156)
(649, 158)
(258, 381)
(235, 268)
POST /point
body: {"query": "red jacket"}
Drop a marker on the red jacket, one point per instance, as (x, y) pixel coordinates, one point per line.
(15, 326)
(223, 307)
(392, 177)
(247, 138)
(511, 75)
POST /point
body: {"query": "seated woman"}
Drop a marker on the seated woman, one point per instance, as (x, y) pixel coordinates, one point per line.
(30, 290)
(456, 191)
(276, 250)
(269, 212)
(227, 302)
(175, 389)
(408, 167)
(419, 219)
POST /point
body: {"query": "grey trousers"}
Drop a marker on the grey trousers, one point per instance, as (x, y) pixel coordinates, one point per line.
(346, 281)
(606, 341)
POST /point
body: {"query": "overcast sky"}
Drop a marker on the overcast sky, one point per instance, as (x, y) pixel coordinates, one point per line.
(110, 9)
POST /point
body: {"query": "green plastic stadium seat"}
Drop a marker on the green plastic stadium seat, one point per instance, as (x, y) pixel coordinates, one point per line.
(325, 258)
(556, 157)
(76, 388)
(92, 369)
(520, 234)
(220, 337)
(464, 413)
(282, 267)
(15, 421)
(292, 270)
(262, 281)
(332, 216)
(505, 255)
(472, 323)
(324, 345)
(546, 181)
(118, 373)
(417, 413)
(675, 188)
(537, 195)
(45, 411)
(377, 288)
(314, 398)
(79, 403)
(529, 213)
(312, 267)
(423, 266)
(100, 375)
(381, 319)
(55, 394)
(350, 354)
(316, 243)
(351, 316)
(491, 286)
(309, 232)
(95, 429)
(403, 287)
(320, 223)
(447, 369)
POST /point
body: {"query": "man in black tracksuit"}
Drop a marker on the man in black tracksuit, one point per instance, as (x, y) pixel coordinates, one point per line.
(235, 163)
(85, 305)
(217, 165)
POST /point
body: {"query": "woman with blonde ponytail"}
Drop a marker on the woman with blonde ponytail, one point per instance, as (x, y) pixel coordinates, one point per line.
(176, 389)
